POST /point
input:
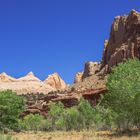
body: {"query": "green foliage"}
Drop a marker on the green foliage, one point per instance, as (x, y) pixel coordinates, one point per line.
(55, 116)
(2, 137)
(55, 110)
(11, 106)
(80, 117)
(87, 113)
(72, 116)
(32, 122)
(123, 97)
(60, 124)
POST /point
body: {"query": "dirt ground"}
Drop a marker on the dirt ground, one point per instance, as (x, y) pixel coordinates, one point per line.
(74, 136)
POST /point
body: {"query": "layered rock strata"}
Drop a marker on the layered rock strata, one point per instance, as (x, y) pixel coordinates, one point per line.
(124, 41)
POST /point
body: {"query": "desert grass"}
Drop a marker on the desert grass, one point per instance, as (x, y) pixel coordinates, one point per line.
(7, 137)
(85, 135)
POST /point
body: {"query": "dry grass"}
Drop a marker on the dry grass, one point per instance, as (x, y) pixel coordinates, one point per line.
(87, 135)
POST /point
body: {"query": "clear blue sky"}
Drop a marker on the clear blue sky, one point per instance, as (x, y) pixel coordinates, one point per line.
(47, 36)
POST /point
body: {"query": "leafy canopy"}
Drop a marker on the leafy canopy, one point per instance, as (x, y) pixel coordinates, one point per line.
(11, 107)
(123, 97)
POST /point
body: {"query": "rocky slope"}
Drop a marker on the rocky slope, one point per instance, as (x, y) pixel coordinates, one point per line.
(29, 84)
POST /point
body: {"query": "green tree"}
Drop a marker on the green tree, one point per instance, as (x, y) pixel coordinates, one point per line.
(123, 97)
(11, 107)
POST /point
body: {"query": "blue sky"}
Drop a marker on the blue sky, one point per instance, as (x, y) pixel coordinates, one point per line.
(47, 36)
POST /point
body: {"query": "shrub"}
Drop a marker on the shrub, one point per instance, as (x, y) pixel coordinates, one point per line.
(72, 121)
(55, 116)
(11, 106)
(87, 113)
(80, 117)
(32, 122)
(123, 97)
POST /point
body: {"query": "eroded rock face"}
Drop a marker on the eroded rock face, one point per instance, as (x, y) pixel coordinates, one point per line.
(124, 41)
(31, 84)
(78, 77)
(90, 69)
(29, 77)
(6, 78)
(27, 84)
(55, 81)
(38, 103)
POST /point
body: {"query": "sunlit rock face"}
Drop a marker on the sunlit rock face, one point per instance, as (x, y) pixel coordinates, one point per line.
(6, 78)
(124, 41)
(55, 81)
(29, 77)
(78, 77)
(27, 84)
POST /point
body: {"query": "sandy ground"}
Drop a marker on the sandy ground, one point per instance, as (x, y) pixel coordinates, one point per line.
(73, 136)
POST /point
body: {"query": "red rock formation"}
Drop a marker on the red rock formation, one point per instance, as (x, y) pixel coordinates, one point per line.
(124, 41)
(71, 99)
(40, 104)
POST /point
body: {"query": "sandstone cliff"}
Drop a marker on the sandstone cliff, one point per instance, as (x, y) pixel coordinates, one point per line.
(30, 84)
(124, 41)
(6, 78)
(55, 81)
(29, 77)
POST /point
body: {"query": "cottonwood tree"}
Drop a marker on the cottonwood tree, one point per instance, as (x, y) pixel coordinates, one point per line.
(123, 97)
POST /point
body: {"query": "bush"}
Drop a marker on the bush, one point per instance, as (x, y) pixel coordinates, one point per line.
(87, 113)
(2, 137)
(55, 116)
(72, 120)
(123, 97)
(32, 122)
(11, 106)
(80, 117)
